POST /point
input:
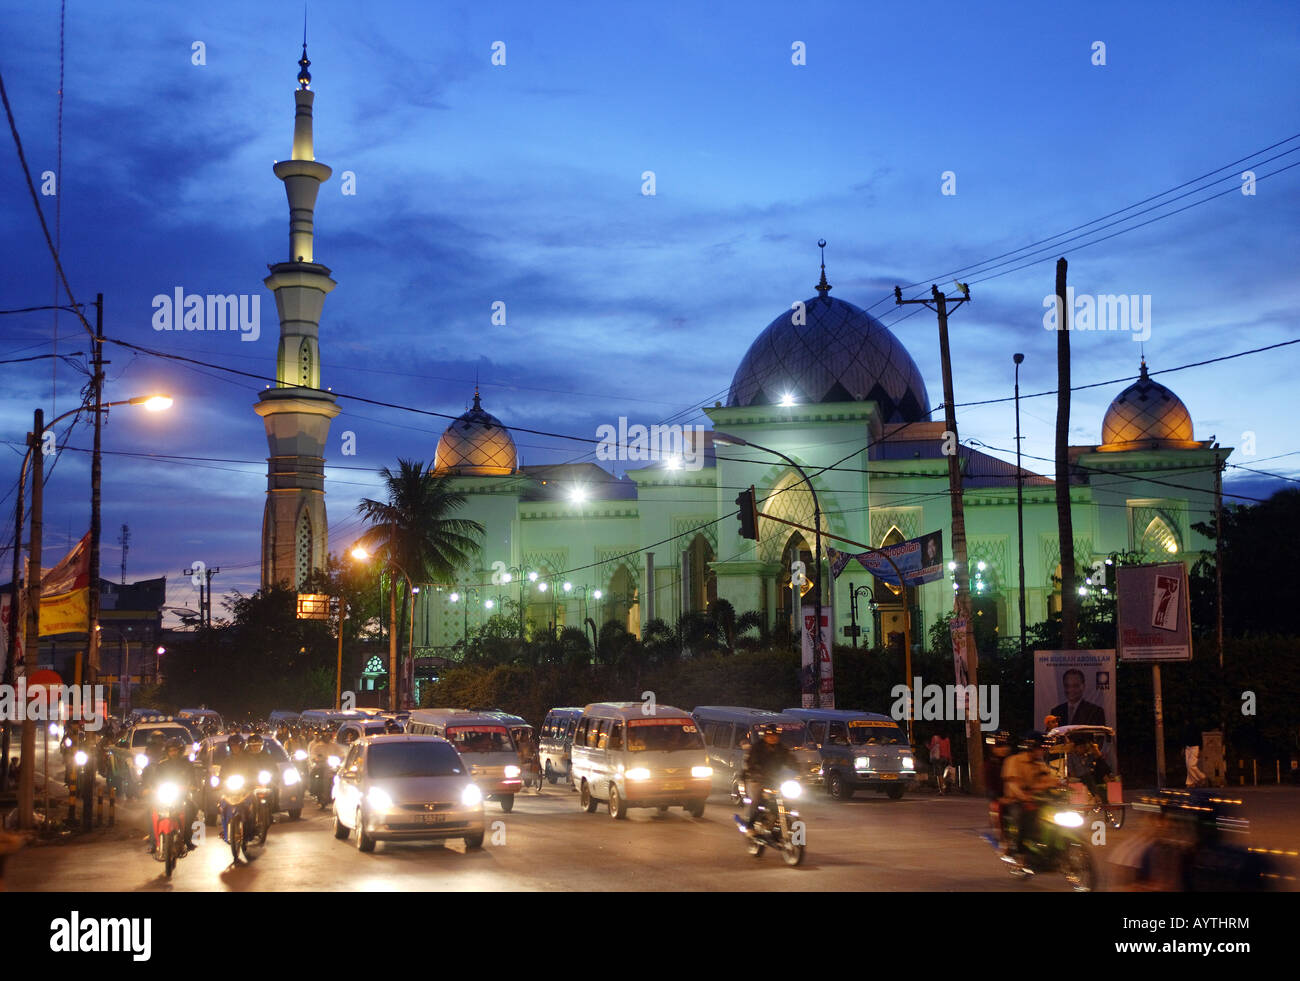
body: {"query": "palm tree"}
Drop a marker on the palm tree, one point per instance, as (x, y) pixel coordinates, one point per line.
(413, 534)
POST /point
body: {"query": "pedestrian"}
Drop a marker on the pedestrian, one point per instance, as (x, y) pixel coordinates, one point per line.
(1192, 757)
(940, 760)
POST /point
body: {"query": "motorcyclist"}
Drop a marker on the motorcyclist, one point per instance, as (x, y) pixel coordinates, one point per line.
(319, 753)
(1024, 778)
(175, 768)
(236, 761)
(764, 761)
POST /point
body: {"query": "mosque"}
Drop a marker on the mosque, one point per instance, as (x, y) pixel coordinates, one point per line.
(832, 389)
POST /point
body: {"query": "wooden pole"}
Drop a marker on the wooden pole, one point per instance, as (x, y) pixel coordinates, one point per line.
(1064, 519)
(1160, 726)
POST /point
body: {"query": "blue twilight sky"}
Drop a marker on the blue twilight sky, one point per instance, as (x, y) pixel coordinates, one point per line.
(523, 183)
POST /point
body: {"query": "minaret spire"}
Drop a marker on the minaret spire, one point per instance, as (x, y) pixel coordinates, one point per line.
(823, 287)
(296, 412)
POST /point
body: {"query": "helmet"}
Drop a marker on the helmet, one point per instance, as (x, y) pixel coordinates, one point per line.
(176, 743)
(157, 739)
(253, 743)
(1031, 739)
(235, 741)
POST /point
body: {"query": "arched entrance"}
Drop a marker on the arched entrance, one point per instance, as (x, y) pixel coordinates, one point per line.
(701, 581)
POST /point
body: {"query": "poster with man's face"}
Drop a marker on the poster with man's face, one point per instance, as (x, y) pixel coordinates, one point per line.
(1076, 687)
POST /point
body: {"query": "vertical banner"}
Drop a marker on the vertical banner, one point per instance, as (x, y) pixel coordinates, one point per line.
(6, 613)
(818, 640)
(961, 665)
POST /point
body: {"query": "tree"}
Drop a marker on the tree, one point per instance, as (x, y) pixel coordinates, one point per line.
(414, 535)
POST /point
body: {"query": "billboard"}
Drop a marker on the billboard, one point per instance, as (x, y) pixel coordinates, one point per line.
(1153, 613)
(823, 646)
(1078, 687)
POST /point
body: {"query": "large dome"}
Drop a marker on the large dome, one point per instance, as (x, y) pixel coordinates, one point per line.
(476, 445)
(840, 354)
(1148, 414)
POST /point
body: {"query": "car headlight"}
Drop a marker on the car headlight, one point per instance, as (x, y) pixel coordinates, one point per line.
(168, 793)
(862, 763)
(790, 790)
(141, 761)
(214, 781)
(290, 777)
(81, 757)
(1068, 819)
(333, 761)
(471, 796)
(264, 777)
(909, 763)
(512, 772)
(299, 754)
(638, 773)
(195, 747)
(379, 798)
(700, 772)
(235, 781)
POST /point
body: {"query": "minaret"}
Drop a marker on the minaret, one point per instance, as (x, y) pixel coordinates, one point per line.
(295, 536)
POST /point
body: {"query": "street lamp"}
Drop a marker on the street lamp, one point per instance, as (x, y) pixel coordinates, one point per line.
(854, 593)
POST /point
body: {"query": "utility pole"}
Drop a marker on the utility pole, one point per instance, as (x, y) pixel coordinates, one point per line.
(124, 540)
(205, 594)
(96, 473)
(962, 604)
(11, 651)
(1218, 552)
(1064, 519)
(32, 640)
(1020, 506)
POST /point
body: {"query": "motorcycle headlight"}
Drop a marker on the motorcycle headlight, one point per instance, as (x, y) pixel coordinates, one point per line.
(235, 781)
(1068, 819)
(512, 772)
(141, 761)
(214, 781)
(790, 790)
(291, 777)
(638, 773)
(861, 763)
(333, 761)
(168, 794)
(264, 777)
(55, 731)
(471, 796)
(299, 754)
(81, 757)
(909, 763)
(379, 798)
(700, 772)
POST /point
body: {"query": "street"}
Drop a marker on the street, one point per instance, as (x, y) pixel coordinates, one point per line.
(547, 843)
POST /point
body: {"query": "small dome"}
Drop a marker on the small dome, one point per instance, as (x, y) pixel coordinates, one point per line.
(476, 445)
(1148, 414)
(840, 354)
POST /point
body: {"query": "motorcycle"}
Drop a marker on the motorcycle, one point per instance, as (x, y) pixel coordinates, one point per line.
(322, 780)
(261, 813)
(170, 808)
(1057, 846)
(776, 824)
(245, 805)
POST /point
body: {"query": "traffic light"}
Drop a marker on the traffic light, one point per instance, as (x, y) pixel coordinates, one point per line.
(748, 514)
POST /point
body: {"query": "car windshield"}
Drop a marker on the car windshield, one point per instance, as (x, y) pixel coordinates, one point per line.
(874, 733)
(480, 739)
(274, 750)
(663, 735)
(141, 736)
(414, 759)
(793, 735)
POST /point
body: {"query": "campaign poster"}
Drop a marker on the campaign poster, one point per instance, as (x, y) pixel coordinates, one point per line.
(819, 640)
(1077, 687)
(1153, 613)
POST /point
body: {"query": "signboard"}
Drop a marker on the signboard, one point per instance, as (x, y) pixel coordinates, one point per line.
(1153, 613)
(823, 647)
(313, 606)
(919, 559)
(1078, 687)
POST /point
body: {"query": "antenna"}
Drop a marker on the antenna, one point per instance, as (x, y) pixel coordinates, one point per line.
(124, 539)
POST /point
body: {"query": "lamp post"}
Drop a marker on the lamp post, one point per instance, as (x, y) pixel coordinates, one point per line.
(31, 645)
(1020, 506)
(854, 593)
(817, 555)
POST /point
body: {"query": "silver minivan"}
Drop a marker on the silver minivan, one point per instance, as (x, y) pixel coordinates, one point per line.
(484, 742)
(728, 731)
(555, 745)
(634, 754)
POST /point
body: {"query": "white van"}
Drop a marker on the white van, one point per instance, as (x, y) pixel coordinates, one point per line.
(483, 741)
(630, 758)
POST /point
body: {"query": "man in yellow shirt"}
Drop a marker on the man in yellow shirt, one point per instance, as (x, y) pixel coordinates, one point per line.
(1024, 777)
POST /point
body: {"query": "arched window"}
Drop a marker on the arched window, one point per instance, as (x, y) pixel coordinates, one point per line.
(303, 548)
(1159, 540)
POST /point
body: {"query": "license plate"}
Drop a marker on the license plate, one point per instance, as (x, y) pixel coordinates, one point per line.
(433, 818)
(888, 776)
(672, 786)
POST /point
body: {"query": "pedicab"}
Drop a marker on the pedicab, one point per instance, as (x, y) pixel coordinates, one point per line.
(1080, 756)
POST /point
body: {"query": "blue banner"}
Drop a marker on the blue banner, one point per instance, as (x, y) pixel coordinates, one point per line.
(919, 559)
